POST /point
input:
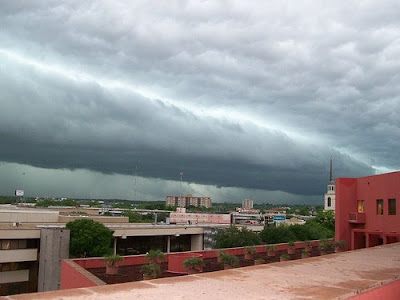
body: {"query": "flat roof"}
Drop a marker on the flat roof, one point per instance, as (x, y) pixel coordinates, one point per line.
(334, 276)
(28, 211)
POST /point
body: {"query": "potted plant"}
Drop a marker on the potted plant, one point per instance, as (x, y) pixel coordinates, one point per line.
(305, 253)
(291, 248)
(219, 257)
(326, 247)
(193, 264)
(156, 256)
(249, 252)
(229, 261)
(271, 250)
(112, 263)
(151, 271)
(339, 245)
(259, 261)
(284, 257)
(308, 246)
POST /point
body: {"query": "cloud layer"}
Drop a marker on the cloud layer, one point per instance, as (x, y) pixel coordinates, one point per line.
(254, 96)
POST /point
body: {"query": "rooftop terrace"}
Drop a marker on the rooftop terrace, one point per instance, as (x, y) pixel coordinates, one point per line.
(334, 276)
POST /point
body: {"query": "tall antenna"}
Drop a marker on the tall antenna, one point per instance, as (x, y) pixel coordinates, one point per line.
(134, 183)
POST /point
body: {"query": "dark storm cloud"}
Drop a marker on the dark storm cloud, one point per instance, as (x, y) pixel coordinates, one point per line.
(237, 95)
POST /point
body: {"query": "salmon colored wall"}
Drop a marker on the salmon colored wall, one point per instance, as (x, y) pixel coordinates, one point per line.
(97, 262)
(175, 262)
(72, 278)
(390, 291)
(369, 189)
(346, 191)
(384, 187)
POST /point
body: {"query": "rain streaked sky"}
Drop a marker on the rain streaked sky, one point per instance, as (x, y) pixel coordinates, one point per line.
(247, 99)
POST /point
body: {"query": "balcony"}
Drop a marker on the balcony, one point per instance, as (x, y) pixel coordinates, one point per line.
(18, 255)
(357, 218)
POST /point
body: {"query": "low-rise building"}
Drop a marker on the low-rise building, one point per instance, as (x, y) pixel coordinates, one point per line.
(199, 218)
(366, 210)
(33, 242)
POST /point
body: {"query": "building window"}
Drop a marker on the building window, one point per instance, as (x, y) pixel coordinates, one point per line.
(392, 206)
(379, 207)
(329, 202)
(5, 245)
(360, 206)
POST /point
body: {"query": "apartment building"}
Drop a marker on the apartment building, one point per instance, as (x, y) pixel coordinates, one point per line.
(188, 200)
(247, 203)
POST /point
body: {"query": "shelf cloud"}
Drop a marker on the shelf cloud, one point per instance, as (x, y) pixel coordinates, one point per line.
(247, 97)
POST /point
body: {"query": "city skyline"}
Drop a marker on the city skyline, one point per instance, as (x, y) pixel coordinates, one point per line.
(247, 100)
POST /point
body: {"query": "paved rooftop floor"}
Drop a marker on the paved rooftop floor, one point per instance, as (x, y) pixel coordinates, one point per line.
(334, 276)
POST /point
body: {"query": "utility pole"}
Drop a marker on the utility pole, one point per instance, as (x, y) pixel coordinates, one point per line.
(134, 182)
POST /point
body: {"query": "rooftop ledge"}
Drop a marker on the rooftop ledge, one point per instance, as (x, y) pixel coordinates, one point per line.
(335, 276)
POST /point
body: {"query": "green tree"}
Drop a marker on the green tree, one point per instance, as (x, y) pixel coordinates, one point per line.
(235, 237)
(276, 235)
(135, 217)
(326, 219)
(89, 238)
(312, 230)
(46, 203)
(68, 202)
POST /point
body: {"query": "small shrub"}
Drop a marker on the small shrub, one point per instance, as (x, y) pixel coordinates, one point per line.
(326, 246)
(339, 245)
(113, 260)
(228, 259)
(285, 256)
(250, 250)
(155, 256)
(193, 263)
(271, 248)
(152, 270)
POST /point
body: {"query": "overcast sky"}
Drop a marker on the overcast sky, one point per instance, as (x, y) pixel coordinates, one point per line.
(246, 98)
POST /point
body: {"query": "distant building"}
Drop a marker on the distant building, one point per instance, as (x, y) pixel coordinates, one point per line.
(329, 199)
(180, 217)
(247, 211)
(366, 210)
(188, 200)
(248, 203)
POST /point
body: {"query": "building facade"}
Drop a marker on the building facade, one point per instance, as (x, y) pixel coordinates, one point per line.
(329, 198)
(188, 200)
(25, 261)
(248, 203)
(366, 210)
(199, 218)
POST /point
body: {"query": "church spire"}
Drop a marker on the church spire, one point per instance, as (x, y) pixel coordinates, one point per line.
(330, 173)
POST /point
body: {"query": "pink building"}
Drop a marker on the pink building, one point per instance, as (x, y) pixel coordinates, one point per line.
(366, 210)
(194, 218)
